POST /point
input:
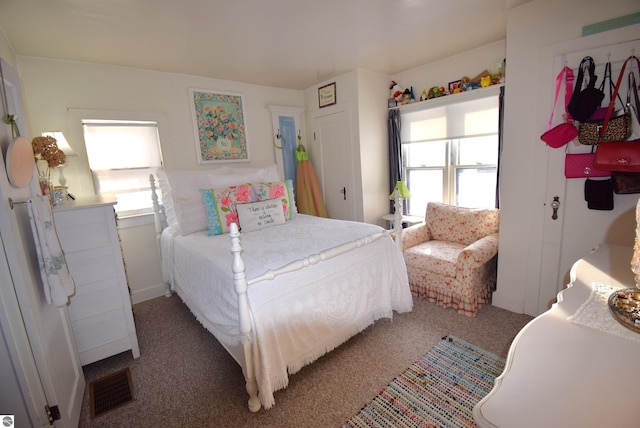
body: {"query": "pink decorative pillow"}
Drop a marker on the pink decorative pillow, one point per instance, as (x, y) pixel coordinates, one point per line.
(220, 206)
(282, 190)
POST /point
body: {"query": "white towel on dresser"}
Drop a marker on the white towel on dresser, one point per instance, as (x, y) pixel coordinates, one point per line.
(56, 280)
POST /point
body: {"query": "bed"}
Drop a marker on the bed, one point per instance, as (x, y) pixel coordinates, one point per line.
(278, 295)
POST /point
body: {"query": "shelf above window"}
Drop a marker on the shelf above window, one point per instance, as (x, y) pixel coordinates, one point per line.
(453, 98)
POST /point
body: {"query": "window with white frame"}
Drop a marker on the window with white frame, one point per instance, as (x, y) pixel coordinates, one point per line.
(122, 154)
(450, 154)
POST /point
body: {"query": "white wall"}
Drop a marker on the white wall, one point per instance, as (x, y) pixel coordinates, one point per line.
(364, 95)
(525, 232)
(440, 73)
(52, 87)
(374, 143)
(532, 30)
(346, 101)
(6, 51)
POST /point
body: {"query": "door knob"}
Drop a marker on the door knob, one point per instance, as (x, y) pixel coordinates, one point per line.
(555, 204)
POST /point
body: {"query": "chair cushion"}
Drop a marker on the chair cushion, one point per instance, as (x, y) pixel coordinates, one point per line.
(434, 256)
(459, 224)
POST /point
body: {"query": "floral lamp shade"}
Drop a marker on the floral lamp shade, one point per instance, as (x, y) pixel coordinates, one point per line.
(61, 141)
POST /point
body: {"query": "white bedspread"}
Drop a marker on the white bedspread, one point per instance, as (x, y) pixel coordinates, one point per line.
(299, 316)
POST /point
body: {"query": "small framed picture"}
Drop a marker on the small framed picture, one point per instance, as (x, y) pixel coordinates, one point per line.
(455, 87)
(327, 95)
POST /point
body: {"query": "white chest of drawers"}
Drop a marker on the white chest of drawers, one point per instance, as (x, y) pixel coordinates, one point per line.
(100, 309)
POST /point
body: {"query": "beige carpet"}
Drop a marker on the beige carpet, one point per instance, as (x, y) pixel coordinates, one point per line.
(184, 377)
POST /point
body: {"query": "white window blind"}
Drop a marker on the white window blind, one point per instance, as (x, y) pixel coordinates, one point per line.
(450, 153)
(121, 156)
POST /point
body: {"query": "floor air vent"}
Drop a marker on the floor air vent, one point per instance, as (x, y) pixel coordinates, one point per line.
(110, 392)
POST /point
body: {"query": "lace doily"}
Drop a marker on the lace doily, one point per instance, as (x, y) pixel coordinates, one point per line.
(594, 313)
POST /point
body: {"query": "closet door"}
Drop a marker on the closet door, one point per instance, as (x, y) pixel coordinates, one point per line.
(334, 163)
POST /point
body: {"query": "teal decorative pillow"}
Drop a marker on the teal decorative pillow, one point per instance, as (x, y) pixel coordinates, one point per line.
(282, 190)
(220, 206)
(258, 215)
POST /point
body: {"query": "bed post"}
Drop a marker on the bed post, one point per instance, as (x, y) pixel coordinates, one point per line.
(240, 284)
(397, 219)
(160, 221)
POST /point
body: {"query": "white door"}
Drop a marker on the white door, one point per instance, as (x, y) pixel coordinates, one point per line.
(333, 161)
(578, 229)
(47, 327)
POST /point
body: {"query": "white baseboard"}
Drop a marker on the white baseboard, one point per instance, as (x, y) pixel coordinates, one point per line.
(503, 301)
(148, 293)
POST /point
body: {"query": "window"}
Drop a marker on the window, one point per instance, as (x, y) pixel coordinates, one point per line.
(121, 156)
(450, 154)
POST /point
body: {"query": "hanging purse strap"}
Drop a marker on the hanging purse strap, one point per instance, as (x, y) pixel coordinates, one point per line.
(588, 64)
(612, 101)
(607, 78)
(565, 74)
(633, 89)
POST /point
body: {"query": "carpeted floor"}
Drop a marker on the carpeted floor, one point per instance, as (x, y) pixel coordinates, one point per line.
(184, 377)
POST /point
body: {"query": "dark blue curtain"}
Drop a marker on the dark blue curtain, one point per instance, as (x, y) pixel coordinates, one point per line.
(500, 141)
(395, 152)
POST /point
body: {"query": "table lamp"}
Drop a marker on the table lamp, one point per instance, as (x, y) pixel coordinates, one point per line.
(401, 192)
(63, 145)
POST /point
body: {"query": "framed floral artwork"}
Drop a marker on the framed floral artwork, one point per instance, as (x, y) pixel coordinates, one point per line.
(219, 126)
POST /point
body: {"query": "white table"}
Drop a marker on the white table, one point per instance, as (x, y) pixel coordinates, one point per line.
(561, 374)
(409, 219)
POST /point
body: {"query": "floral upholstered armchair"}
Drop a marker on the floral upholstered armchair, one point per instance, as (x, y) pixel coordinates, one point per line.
(452, 256)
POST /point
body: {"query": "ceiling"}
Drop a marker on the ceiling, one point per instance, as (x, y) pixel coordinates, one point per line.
(283, 43)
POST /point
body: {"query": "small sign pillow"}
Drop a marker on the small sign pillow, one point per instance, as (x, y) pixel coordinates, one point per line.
(258, 215)
(282, 190)
(220, 206)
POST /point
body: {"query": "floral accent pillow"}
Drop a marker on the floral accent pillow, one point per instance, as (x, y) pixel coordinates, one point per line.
(282, 190)
(220, 206)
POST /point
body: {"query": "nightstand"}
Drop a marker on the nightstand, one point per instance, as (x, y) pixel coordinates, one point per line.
(406, 219)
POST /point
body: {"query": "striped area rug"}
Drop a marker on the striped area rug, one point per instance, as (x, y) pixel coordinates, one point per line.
(438, 390)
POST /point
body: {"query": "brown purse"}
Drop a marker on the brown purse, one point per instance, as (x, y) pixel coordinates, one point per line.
(625, 183)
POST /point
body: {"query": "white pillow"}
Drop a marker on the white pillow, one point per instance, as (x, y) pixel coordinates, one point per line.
(167, 199)
(188, 211)
(237, 176)
(181, 191)
(258, 215)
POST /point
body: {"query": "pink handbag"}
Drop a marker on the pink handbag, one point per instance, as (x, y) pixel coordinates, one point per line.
(581, 165)
(563, 133)
(560, 135)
